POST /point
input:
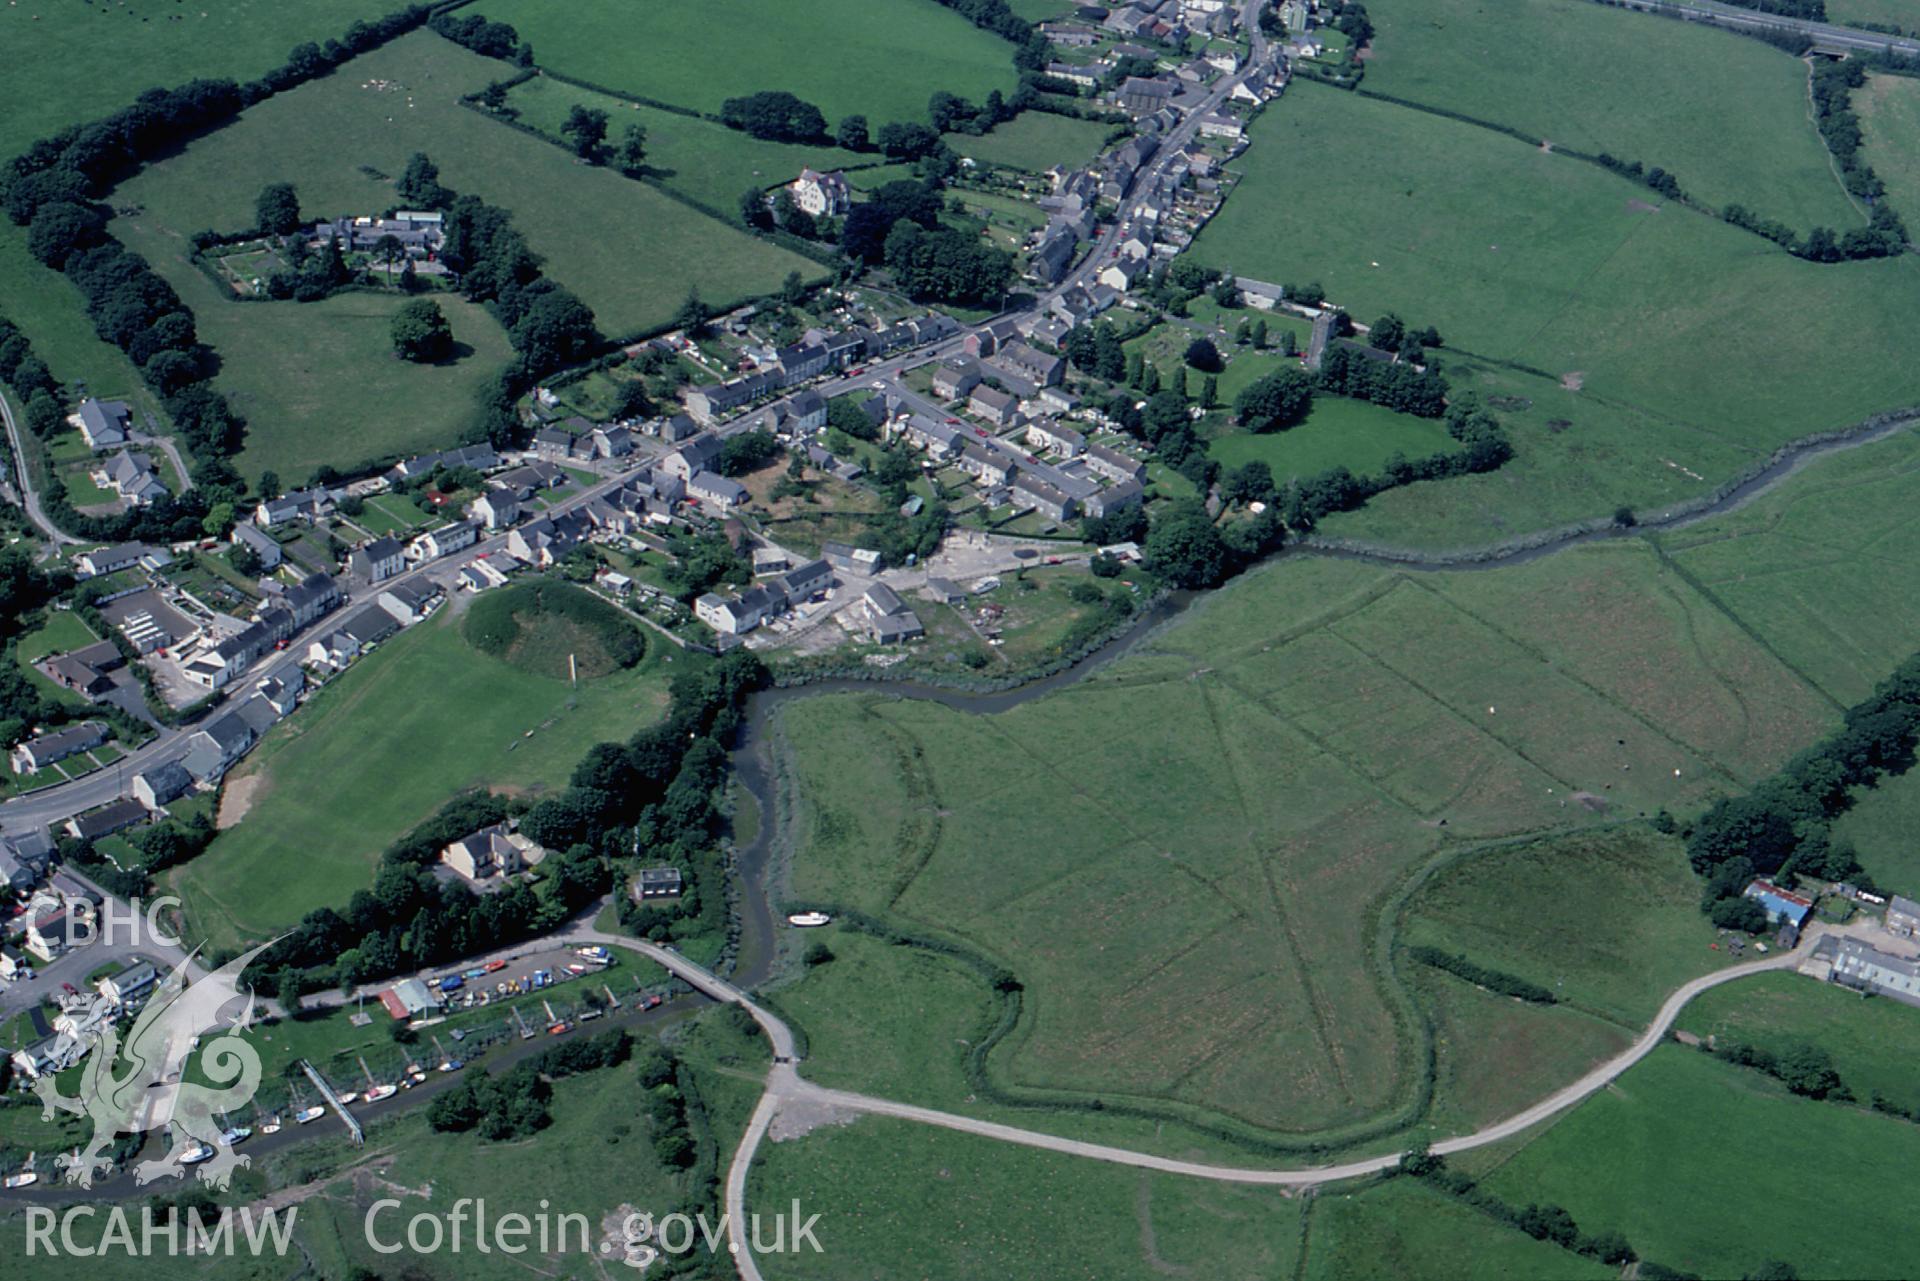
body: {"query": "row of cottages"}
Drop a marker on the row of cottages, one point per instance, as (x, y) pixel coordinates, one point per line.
(578, 440)
(798, 416)
(479, 458)
(134, 477)
(736, 615)
(86, 670)
(818, 354)
(46, 750)
(104, 424)
(287, 612)
(215, 747)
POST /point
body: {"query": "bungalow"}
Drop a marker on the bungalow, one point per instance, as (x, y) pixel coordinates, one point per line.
(696, 455)
(36, 754)
(1043, 497)
(444, 541)
(1114, 465)
(480, 458)
(134, 478)
(956, 377)
(109, 560)
(496, 510)
(302, 504)
(212, 750)
(160, 785)
(379, 560)
(997, 407)
(104, 424)
(84, 670)
(716, 491)
(657, 882)
(256, 540)
(1119, 497)
(824, 195)
(116, 816)
(1903, 917)
(482, 572)
(492, 851)
(1084, 75)
(409, 602)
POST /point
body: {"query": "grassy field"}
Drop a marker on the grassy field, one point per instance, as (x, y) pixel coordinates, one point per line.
(708, 161)
(1034, 140)
(1202, 890)
(1682, 1153)
(1562, 270)
(1337, 432)
(880, 58)
(422, 718)
(1896, 13)
(628, 250)
(1725, 115)
(978, 1208)
(1881, 825)
(1889, 109)
(1404, 1229)
(319, 384)
(1874, 1043)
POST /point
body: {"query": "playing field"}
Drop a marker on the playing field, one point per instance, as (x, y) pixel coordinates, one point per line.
(1537, 261)
(978, 1208)
(376, 753)
(628, 250)
(707, 161)
(1034, 140)
(1727, 116)
(1203, 889)
(1337, 432)
(879, 58)
(1889, 110)
(1681, 1152)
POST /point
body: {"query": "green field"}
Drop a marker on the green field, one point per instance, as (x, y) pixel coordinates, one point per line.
(628, 250)
(879, 58)
(1881, 826)
(1873, 1043)
(1727, 116)
(1545, 263)
(1403, 1229)
(707, 161)
(1889, 110)
(51, 313)
(1337, 432)
(1034, 140)
(1895, 13)
(318, 383)
(1204, 890)
(903, 1200)
(421, 719)
(1713, 1168)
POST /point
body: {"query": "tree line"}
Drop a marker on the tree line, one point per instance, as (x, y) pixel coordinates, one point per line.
(1457, 964)
(1783, 826)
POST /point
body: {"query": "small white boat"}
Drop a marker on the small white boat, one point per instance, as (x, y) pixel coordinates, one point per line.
(349, 1096)
(807, 920)
(306, 1116)
(378, 1092)
(270, 1126)
(24, 1179)
(197, 1153)
(238, 1134)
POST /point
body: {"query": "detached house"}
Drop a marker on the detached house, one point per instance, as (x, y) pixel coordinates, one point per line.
(496, 510)
(104, 423)
(824, 195)
(490, 852)
(696, 455)
(302, 504)
(133, 477)
(378, 560)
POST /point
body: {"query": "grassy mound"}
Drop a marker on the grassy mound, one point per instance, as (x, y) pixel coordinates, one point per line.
(538, 627)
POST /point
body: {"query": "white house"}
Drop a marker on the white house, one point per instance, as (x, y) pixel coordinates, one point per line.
(824, 195)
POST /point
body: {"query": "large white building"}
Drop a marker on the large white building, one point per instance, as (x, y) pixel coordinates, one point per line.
(824, 195)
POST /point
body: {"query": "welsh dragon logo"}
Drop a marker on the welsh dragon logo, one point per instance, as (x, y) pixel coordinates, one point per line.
(152, 1094)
